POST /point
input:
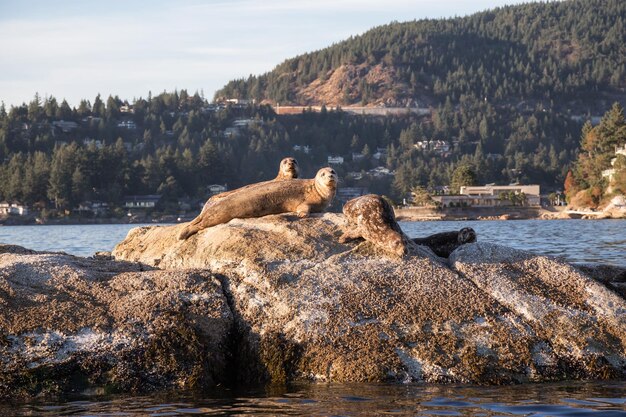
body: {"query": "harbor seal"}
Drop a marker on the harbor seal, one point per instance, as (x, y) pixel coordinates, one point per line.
(443, 244)
(274, 197)
(287, 170)
(372, 218)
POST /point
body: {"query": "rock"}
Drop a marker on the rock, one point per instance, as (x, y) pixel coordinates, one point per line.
(69, 323)
(613, 277)
(575, 323)
(307, 307)
(616, 208)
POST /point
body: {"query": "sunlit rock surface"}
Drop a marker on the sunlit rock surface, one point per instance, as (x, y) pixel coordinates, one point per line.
(309, 307)
(69, 323)
(279, 299)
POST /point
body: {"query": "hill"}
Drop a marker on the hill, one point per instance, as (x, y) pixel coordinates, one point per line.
(570, 50)
(503, 93)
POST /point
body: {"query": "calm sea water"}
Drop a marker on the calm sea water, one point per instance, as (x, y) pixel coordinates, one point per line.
(599, 399)
(602, 241)
(577, 241)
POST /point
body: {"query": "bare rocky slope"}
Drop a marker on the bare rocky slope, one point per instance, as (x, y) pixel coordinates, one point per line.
(279, 299)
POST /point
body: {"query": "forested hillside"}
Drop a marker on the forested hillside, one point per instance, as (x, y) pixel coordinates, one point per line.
(507, 93)
(541, 51)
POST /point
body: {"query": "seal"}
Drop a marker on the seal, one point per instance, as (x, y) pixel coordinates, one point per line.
(302, 196)
(372, 218)
(443, 244)
(287, 170)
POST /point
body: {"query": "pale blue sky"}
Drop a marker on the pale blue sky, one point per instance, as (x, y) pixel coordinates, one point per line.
(77, 49)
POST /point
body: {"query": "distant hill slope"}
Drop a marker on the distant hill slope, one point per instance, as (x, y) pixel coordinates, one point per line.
(540, 51)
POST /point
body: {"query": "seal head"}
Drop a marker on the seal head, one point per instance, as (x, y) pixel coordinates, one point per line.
(288, 169)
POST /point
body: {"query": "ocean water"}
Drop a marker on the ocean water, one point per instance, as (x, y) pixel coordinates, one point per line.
(601, 241)
(578, 241)
(579, 399)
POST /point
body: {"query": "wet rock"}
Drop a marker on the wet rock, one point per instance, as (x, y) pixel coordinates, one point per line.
(71, 324)
(306, 306)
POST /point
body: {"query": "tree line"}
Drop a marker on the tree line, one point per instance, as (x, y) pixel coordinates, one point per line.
(586, 185)
(176, 146)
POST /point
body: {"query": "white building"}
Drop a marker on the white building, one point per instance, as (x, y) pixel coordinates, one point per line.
(15, 209)
(302, 148)
(492, 196)
(610, 173)
(337, 160)
(380, 172)
(217, 189)
(141, 201)
(127, 124)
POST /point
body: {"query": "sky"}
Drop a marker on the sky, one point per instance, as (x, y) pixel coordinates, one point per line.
(75, 49)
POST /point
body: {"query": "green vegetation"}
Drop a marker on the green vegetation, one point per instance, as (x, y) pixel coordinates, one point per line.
(507, 93)
(589, 185)
(538, 51)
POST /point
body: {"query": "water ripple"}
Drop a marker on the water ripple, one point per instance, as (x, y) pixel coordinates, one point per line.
(356, 400)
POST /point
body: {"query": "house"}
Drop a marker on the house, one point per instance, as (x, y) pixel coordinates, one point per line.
(440, 146)
(239, 102)
(14, 208)
(302, 148)
(97, 208)
(95, 142)
(345, 194)
(91, 119)
(493, 196)
(354, 175)
(214, 189)
(379, 172)
(127, 124)
(380, 153)
(231, 132)
(141, 201)
(357, 156)
(127, 108)
(247, 122)
(439, 190)
(337, 160)
(610, 173)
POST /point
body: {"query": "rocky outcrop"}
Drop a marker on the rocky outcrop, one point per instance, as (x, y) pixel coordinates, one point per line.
(69, 323)
(309, 307)
(279, 299)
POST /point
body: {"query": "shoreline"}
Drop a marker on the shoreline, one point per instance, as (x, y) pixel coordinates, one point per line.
(404, 215)
(408, 213)
(417, 214)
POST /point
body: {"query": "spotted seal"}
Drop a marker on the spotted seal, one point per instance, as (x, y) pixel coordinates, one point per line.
(302, 196)
(372, 218)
